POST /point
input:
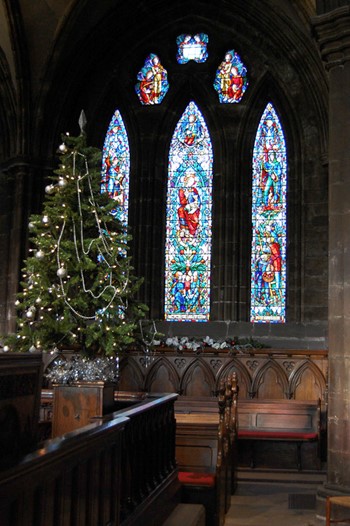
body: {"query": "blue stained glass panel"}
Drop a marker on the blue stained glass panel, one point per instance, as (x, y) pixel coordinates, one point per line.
(189, 220)
(153, 81)
(192, 48)
(116, 166)
(231, 79)
(269, 207)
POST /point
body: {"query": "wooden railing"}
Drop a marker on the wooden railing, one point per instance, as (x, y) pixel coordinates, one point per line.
(108, 473)
(148, 460)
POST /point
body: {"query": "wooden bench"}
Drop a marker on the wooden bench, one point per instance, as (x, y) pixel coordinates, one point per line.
(204, 450)
(280, 420)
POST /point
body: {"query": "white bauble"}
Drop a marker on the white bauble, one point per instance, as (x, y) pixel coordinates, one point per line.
(62, 182)
(62, 272)
(49, 189)
(40, 254)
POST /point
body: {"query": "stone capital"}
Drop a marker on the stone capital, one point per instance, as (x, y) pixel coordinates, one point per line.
(332, 34)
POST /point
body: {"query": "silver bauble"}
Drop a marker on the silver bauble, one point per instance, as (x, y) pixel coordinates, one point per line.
(62, 182)
(45, 219)
(39, 254)
(30, 314)
(32, 348)
(6, 348)
(31, 226)
(62, 148)
(62, 272)
(49, 189)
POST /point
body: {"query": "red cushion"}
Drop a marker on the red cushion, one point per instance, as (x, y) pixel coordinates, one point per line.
(285, 435)
(197, 479)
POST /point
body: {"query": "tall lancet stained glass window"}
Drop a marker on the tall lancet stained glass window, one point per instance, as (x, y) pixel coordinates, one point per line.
(188, 223)
(116, 166)
(269, 204)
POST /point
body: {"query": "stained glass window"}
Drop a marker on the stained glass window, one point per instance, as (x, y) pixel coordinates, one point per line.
(153, 81)
(192, 48)
(116, 166)
(188, 224)
(231, 79)
(269, 188)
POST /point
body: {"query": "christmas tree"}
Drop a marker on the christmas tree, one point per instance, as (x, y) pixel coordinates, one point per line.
(78, 285)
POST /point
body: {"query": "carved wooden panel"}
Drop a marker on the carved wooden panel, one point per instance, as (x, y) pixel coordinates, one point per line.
(198, 380)
(261, 373)
(270, 381)
(270, 373)
(162, 377)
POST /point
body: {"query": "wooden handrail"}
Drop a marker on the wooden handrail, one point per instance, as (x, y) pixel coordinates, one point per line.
(73, 479)
(112, 472)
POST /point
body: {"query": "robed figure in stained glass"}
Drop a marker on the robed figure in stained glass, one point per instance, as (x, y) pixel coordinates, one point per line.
(153, 81)
(189, 209)
(231, 78)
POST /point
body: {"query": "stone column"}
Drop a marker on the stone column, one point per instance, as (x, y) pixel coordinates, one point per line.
(332, 31)
(13, 228)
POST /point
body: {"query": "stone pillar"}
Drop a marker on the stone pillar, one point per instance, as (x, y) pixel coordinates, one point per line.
(332, 31)
(13, 229)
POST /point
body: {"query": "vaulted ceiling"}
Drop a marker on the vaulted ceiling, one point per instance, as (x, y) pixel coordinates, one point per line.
(53, 53)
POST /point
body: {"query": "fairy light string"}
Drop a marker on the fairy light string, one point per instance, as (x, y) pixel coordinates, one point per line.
(86, 251)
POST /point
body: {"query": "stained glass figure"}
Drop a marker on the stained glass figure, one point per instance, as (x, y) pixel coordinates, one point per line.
(269, 206)
(153, 81)
(188, 224)
(116, 166)
(231, 79)
(192, 48)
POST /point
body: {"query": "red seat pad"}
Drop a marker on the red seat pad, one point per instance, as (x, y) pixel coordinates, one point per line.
(285, 435)
(197, 479)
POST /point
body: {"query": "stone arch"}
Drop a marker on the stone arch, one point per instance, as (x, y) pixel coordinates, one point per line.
(198, 379)
(270, 381)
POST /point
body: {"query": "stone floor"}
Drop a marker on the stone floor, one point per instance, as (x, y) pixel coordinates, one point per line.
(271, 499)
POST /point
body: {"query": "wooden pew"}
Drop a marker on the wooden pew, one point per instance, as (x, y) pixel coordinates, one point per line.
(209, 405)
(204, 451)
(280, 421)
